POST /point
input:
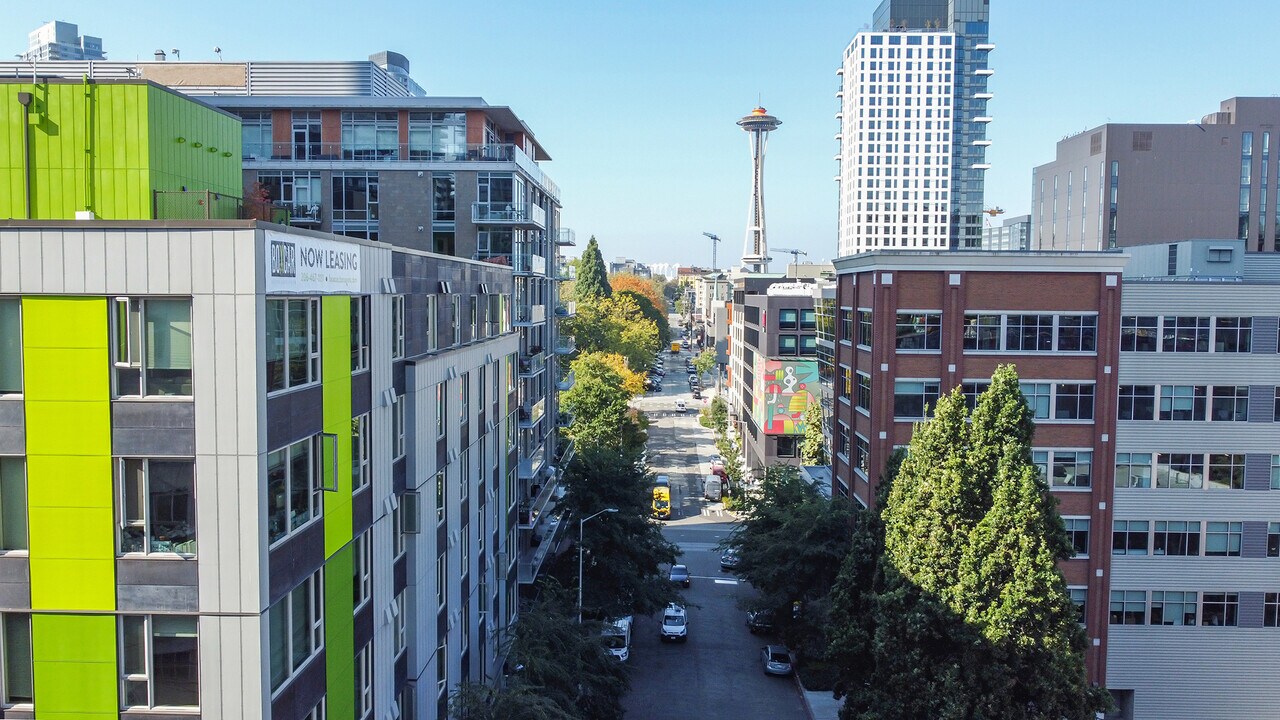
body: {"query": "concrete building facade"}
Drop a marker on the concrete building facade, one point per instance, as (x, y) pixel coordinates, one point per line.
(1013, 234)
(57, 40)
(1120, 185)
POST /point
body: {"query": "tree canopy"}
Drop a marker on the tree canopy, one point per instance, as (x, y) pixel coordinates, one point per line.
(615, 325)
(813, 444)
(649, 312)
(592, 282)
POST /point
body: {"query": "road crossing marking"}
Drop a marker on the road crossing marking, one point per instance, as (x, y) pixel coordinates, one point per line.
(722, 581)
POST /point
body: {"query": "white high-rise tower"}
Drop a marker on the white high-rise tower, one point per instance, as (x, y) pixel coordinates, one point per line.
(755, 252)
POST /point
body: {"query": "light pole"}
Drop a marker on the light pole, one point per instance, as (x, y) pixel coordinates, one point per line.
(582, 522)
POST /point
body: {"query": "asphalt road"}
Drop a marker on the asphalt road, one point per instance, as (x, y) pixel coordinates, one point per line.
(716, 674)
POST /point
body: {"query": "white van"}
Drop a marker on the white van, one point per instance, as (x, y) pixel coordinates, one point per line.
(617, 637)
(680, 406)
(675, 624)
(712, 488)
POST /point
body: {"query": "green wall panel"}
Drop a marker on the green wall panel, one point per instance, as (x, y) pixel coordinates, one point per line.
(105, 147)
(339, 635)
(75, 666)
(335, 361)
(68, 428)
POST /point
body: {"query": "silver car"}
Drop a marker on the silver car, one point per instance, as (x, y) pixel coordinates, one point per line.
(776, 660)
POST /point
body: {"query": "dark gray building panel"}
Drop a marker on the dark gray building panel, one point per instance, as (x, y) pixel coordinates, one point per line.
(15, 582)
(13, 434)
(153, 429)
(1264, 335)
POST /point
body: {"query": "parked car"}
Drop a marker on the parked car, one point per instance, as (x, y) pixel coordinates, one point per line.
(681, 407)
(680, 574)
(729, 559)
(697, 394)
(776, 660)
(760, 621)
(675, 624)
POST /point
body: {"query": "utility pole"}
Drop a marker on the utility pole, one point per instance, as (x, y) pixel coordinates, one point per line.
(715, 240)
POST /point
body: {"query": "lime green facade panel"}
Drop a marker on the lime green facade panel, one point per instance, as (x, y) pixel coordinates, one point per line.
(67, 395)
(106, 146)
(335, 361)
(339, 635)
(74, 658)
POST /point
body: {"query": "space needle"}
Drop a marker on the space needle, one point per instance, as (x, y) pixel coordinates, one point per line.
(755, 252)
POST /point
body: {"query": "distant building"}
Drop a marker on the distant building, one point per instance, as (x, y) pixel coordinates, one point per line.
(1014, 234)
(913, 115)
(627, 265)
(1121, 185)
(57, 40)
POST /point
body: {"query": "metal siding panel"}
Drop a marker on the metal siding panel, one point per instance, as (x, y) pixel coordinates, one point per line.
(1218, 437)
(1251, 610)
(204, 386)
(1257, 471)
(1164, 504)
(1233, 677)
(209, 487)
(29, 262)
(1253, 543)
(212, 684)
(10, 265)
(250, 397)
(224, 375)
(180, 268)
(227, 508)
(223, 267)
(73, 263)
(94, 248)
(1198, 368)
(252, 531)
(135, 262)
(246, 265)
(1261, 403)
(202, 261)
(51, 265)
(158, 270)
(115, 262)
(1179, 298)
(1265, 334)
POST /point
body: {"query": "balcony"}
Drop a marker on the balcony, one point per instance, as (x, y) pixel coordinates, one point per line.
(564, 420)
(981, 143)
(565, 237)
(567, 309)
(530, 415)
(567, 348)
(984, 72)
(545, 536)
(564, 453)
(521, 261)
(532, 366)
(564, 272)
(986, 47)
(983, 119)
(565, 382)
(509, 214)
(537, 501)
(983, 96)
(530, 315)
(304, 213)
(531, 467)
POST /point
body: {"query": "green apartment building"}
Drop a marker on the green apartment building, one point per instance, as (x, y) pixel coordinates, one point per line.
(246, 471)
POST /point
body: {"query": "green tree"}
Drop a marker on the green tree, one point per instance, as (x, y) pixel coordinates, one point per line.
(592, 282)
(651, 313)
(715, 415)
(813, 445)
(704, 361)
(515, 701)
(623, 550)
(615, 325)
(598, 401)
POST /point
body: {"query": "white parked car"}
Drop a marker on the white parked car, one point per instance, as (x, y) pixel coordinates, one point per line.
(675, 623)
(680, 406)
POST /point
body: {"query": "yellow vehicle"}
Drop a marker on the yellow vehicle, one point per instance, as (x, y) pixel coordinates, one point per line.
(675, 347)
(662, 502)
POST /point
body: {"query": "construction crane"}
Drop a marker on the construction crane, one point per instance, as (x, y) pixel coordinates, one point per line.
(795, 254)
(715, 240)
(993, 211)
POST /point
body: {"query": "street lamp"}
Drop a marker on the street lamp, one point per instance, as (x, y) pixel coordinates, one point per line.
(582, 522)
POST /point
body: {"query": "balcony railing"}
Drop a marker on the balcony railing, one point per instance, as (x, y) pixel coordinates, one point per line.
(531, 366)
(207, 205)
(564, 453)
(529, 315)
(546, 535)
(508, 213)
(567, 309)
(564, 419)
(566, 347)
(536, 501)
(529, 414)
(304, 213)
(565, 237)
(565, 382)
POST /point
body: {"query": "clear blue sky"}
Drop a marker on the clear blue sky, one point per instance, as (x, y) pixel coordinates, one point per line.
(636, 101)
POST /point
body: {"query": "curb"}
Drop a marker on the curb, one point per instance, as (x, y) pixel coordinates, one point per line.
(808, 709)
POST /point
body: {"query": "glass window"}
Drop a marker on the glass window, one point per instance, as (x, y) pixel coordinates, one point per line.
(808, 319)
(397, 327)
(1073, 401)
(1071, 469)
(1078, 530)
(1226, 472)
(364, 682)
(255, 135)
(788, 345)
(1129, 537)
(1233, 334)
(359, 333)
(151, 346)
(808, 345)
(1038, 396)
(1273, 539)
(1077, 333)
(398, 411)
(1271, 610)
(1173, 608)
(1230, 403)
(1139, 333)
(1185, 334)
(981, 332)
(400, 624)
(1028, 333)
(1180, 470)
(370, 135)
(914, 398)
(438, 136)
(1137, 402)
(440, 411)
(919, 331)
(156, 506)
(16, 656)
(10, 346)
(863, 397)
(440, 499)
(361, 452)
(788, 319)
(398, 544)
(355, 198)
(864, 328)
(1275, 472)
(13, 504)
(1176, 537)
(296, 628)
(1128, 607)
(159, 661)
(293, 342)
(1220, 609)
(1133, 470)
(1079, 598)
(1183, 402)
(362, 568)
(1222, 539)
(293, 487)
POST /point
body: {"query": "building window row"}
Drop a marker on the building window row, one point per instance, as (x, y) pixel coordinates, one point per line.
(1185, 471)
(159, 662)
(1176, 607)
(1064, 469)
(1179, 538)
(1184, 334)
(797, 319)
(1023, 333)
(295, 631)
(1192, 403)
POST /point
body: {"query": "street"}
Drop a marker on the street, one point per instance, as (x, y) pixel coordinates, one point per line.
(716, 674)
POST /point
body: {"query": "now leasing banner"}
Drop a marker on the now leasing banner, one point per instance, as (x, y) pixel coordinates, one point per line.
(297, 264)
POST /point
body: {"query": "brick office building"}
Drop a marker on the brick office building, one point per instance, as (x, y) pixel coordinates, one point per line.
(911, 325)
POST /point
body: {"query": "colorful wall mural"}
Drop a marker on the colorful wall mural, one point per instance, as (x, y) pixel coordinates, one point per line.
(783, 389)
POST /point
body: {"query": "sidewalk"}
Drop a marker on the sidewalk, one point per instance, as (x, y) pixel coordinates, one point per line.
(820, 704)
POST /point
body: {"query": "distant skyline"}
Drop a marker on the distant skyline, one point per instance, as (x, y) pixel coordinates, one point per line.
(637, 102)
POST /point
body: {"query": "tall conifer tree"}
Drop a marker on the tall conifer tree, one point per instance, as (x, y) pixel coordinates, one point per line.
(593, 279)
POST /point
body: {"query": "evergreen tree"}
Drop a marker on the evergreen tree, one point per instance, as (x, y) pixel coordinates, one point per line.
(813, 445)
(592, 282)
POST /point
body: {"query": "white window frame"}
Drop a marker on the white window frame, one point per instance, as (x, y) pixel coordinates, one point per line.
(5, 619)
(924, 383)
(132, 311)
(148, 658)
(364, 682)
(1067, 523)
(122, 523)
(398, 431)
(315, 494)
(927, 315)
(362, 557)
(432, 324)
(398, 536)
(400, 626)
(23, 506)
(1002, 344)
(361, 452)
(360, 328)
(442, 566)
(314, 333)
(397, 327)
(314, 587)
